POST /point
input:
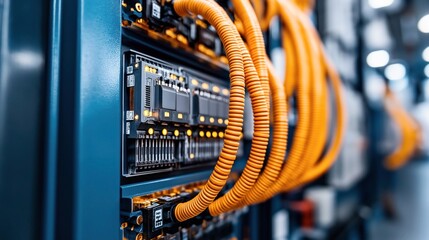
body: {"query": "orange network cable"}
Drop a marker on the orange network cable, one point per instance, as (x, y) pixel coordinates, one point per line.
(215, 15)
(259, 192)
(266, 14)
(302, 173)
(232, 136)
(253, 35)
(255, 40)
(330, 156)
(319, 96)
(309, 167)
(304, 5)
(317, 134)
(409, 131)
(301, 136)
(278, 149)
(261, 135)
(319, 100)
(259, 7)
(291, 71)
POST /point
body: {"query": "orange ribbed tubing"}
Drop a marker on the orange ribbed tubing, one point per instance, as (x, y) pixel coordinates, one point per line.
(226, 30)
(409, 133)
(255, 40)
(291, 67)
(293, 165)
(319, 101)
(219, 176)
(253, 36)
(279, 143)
(304, 5)
(265, 14)
(332, 153)
(330, 156)
(261, 121)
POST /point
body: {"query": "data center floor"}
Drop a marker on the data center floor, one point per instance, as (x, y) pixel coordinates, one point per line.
(411, 199)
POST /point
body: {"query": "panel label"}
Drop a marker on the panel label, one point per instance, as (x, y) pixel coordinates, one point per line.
(157, 218)
(156, 10)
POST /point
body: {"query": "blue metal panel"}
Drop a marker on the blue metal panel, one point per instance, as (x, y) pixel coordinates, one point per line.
(49, 203)
(23, 47)
(89, 121)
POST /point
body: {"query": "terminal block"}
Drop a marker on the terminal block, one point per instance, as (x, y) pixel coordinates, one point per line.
(174, 117)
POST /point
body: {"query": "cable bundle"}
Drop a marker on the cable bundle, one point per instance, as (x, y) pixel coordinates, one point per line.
(408, 128)
(307, 69)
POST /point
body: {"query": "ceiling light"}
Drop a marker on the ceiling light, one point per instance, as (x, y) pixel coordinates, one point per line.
(427, 70)
(423, 24)
(395, 72)
(380, 3)
(379, 58)
(425, 54)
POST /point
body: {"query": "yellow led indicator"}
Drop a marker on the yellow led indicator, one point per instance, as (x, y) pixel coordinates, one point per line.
(176, 133)
(182, 39)
(214, 134)
(208, 134)
(225, 92)
(194, 82)
(216, 89)
(202, 119)
(170, 33)
(226, 121)
(201, 133)
(139, 7)
(205, 86)
(221, 134)
(150, 131)
(167, 114)
(180, 116)
(146, 113)
(181, 79)
(164, 131)
(189, 132)
(146, 68)
(211, 120)
(136, 117)
(201, 23)
(223, 59)
(191, 155)
(220, 120)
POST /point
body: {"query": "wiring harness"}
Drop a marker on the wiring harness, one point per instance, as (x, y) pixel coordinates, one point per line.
(308, 75)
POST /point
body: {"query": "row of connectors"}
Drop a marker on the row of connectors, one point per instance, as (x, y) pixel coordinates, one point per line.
(150, 217)
(159, 17)
(169, 148)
